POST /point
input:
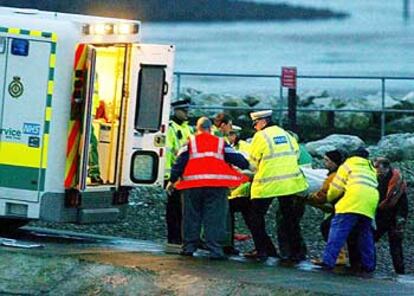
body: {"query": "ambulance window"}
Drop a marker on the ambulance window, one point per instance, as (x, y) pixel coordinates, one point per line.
(151, 84)
(144, 167)
(20, 47)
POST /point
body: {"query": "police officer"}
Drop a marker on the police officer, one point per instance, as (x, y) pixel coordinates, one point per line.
(274, 157)
(178, 134)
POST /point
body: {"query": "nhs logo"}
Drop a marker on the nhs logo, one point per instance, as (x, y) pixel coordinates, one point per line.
(31, 129)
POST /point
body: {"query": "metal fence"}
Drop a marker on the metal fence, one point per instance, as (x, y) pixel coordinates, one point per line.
(383, 80)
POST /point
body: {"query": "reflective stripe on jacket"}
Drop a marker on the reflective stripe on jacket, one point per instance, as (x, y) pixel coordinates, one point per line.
(206, 166)
(274, 153)
(177, 136)
(356, 181)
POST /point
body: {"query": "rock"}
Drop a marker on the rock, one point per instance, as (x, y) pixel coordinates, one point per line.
(351, 120)
(251, 100)
(309, 98)
(346, 143)
(408, 99)
(188, 93)
(404, 124)
(397, 147)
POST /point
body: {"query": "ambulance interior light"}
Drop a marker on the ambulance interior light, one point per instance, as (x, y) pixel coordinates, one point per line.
(108, 29)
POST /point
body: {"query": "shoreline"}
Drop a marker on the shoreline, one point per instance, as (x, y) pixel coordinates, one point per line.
(184, 10)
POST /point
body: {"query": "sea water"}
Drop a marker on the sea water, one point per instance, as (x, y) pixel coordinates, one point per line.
(374, 41)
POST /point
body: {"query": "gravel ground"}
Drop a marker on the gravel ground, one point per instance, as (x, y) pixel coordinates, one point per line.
(146, 220)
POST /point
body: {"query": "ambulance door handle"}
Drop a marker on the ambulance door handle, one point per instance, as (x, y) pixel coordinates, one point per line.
(165, 88)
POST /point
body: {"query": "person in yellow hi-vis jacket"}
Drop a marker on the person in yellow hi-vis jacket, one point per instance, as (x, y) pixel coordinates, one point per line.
(239, 198)
(179, 131)
(274, 158)
(355, 187)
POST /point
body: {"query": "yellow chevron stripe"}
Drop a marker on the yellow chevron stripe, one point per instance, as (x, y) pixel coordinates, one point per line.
(54, 37)
(73, 150)
(71, 158)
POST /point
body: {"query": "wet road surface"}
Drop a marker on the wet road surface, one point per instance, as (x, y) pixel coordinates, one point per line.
(178, 270)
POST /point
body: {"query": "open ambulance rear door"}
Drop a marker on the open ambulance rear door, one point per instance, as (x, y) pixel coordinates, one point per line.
(147, 111)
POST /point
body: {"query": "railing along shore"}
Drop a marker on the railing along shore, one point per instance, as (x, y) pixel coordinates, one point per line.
(283, 101)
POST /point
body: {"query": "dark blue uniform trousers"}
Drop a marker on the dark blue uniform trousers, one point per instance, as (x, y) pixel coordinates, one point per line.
(341, 227)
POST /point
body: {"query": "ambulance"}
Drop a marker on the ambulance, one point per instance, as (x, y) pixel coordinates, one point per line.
(84, 109)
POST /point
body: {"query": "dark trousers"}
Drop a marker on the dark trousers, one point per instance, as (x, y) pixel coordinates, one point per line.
(352, 242)
(387, 224)
(262, 241)
(174, 217)
(242, 205)
(205, 207)
(341, 227)
(289, 235)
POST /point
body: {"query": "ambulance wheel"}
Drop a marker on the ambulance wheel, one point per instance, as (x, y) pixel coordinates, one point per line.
(10, 225)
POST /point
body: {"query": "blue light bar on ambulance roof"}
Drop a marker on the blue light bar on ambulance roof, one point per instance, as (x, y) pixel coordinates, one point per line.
(20, 47)
(108, 29)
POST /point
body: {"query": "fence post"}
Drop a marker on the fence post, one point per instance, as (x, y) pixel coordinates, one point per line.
(281, 104)
(292, 104)
(382, 107)
(177, 91)
(330, 119)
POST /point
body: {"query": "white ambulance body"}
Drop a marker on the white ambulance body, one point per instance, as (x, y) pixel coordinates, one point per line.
(78, 93)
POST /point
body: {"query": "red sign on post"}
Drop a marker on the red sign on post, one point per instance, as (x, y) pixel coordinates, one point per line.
(289, 77)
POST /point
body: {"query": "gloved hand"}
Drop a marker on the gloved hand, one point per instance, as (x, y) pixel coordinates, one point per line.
(169, 188)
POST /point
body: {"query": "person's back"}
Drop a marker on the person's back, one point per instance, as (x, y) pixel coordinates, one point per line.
(356, 180)
(273, 148)
(203, 173)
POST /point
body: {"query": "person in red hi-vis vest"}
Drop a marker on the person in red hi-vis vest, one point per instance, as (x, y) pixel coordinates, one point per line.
(203, 171)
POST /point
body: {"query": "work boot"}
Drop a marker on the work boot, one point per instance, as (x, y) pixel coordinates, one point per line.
(229, 250)
(342, 257)
(186, 253)
(250, 254)
(96, 180)
(321, 264)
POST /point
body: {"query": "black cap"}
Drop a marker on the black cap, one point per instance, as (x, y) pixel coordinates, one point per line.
(335, 156)
(361, 152)
(180, 104)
